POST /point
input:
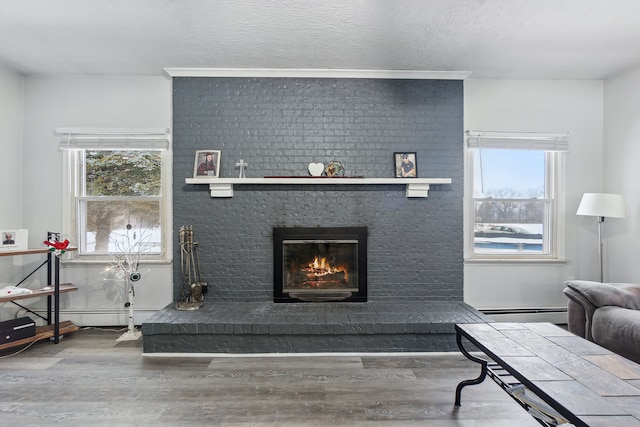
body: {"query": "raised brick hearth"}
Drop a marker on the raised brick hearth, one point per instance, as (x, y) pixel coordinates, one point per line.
(310, 327)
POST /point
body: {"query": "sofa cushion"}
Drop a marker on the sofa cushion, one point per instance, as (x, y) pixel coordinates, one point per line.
(618, 329)
(625, 295)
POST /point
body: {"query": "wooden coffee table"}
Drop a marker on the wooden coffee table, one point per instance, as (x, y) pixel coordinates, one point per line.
(555, 375)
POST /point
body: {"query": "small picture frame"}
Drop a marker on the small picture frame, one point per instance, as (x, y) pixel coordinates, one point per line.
(13, 239)
(207, 164)
(405, 164)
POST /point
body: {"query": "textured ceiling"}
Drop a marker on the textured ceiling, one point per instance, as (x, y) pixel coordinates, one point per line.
(515, 39)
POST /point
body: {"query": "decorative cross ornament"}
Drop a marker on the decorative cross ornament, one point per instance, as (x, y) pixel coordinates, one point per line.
(241, 164)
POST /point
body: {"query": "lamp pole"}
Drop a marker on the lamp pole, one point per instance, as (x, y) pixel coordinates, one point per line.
(600, 221)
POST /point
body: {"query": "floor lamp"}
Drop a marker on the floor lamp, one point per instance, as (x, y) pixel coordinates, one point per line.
(601, 205)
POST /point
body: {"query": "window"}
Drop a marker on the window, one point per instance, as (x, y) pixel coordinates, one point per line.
(119, 205)
(513, 194)
(117, 191)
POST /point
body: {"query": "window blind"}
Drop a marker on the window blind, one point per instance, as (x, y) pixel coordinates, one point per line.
(113, 139)
(543, 141)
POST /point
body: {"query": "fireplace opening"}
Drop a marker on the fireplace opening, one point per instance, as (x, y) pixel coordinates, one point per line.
(320, 264)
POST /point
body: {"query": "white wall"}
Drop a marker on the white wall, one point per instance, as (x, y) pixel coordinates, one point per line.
(621, 160)
(574, 106)
(11, 118)
(88, 101)
(11, 191)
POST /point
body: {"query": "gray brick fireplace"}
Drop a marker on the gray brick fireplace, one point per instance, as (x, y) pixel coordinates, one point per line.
(280, 125)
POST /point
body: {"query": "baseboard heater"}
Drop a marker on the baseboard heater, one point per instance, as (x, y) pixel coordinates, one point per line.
(494, 311)
(94, 311)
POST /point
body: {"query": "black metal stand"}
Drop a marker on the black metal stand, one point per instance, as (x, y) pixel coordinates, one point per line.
(483, 369)
(53, 279)
(515, 389)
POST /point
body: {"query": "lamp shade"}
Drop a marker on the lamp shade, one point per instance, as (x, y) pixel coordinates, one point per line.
(602, 204)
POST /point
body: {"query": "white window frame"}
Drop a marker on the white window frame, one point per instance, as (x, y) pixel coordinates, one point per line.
(74, 142)
(554, 144)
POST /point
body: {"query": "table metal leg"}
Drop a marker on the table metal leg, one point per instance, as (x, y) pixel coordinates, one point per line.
(483, 371)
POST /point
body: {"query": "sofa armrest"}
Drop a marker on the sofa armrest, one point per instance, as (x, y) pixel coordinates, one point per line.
(585, 297)
(579, 314)
(626, 295)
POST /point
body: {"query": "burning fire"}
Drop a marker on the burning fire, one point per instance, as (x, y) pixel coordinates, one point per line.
(321, 267)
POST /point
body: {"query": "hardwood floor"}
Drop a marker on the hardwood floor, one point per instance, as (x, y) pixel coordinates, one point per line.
(90, 379)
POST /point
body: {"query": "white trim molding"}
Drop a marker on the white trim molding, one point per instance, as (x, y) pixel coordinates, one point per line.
(318, 73)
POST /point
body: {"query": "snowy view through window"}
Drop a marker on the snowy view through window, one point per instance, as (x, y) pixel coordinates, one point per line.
(509, 201)
(120, 207)
(129, 241)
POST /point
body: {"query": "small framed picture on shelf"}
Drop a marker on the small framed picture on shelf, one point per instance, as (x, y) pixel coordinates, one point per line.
(13, 240)
(405, 164)
(207, 164)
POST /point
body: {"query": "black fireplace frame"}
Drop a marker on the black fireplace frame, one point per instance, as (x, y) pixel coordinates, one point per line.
(280, 234)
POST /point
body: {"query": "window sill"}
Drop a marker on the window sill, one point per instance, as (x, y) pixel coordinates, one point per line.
(516, 260)
(84, 262)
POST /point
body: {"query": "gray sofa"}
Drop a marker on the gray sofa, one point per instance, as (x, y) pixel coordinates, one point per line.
(607, 314)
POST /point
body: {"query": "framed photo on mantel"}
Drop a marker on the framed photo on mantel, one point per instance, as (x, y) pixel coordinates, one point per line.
(405, 164)
(207, 164)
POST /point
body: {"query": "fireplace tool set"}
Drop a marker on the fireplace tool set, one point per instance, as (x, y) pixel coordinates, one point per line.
(192, 287)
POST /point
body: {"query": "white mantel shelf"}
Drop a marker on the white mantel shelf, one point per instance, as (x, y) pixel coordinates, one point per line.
(223, 187)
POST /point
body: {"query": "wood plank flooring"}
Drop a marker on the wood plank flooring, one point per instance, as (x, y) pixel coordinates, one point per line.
(89, 379)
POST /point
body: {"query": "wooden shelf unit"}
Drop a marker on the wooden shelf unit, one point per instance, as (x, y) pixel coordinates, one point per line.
(29, 251)
(54, 328)
(43, 292)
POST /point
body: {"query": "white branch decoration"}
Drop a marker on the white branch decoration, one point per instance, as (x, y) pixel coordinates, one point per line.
(125, 267)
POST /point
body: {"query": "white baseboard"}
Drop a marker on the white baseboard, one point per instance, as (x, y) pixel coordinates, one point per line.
(556, 316)
(93, 317)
